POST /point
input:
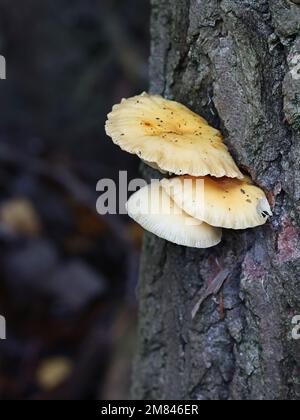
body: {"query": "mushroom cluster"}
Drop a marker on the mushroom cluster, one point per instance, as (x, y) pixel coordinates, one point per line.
(207, 191)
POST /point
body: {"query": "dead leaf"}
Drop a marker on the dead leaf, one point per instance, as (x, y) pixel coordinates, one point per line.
(20, 216)
(53, 372)
(212, 288)
(89, 223)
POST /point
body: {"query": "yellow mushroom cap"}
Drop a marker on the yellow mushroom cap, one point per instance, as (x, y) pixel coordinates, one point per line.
(156, 212)
(224, 202)
(170, 135)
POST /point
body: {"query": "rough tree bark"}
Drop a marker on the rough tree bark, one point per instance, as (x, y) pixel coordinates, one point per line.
(235, 63)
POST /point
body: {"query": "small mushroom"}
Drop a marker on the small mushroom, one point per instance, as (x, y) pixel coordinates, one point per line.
(223, 202)
(170, 136)
(156, 212)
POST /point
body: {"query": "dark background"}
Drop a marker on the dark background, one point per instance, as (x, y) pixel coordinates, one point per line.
(67, 275)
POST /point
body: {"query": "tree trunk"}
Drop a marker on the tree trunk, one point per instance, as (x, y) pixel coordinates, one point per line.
(235, 63)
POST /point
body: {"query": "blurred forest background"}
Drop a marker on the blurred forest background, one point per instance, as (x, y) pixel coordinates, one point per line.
(67, 275)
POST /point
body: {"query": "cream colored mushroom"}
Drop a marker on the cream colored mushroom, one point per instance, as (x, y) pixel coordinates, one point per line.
(223, 202)
(156, 212)
(170, 137)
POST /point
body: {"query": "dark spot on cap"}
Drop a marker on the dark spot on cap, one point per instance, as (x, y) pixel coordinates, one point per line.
(243, 191)
(265, 214)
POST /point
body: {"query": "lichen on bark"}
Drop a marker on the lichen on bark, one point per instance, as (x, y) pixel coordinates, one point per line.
(231, 62)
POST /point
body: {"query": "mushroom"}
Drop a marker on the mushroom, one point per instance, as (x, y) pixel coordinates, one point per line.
(223, 202)
(156, 212)
(170, 136)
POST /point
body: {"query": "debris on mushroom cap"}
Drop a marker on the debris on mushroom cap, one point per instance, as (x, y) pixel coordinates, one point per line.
(156, 212)
(170, 135)
(223, 202)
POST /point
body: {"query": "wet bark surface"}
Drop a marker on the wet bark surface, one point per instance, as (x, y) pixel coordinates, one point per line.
(235, 63)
